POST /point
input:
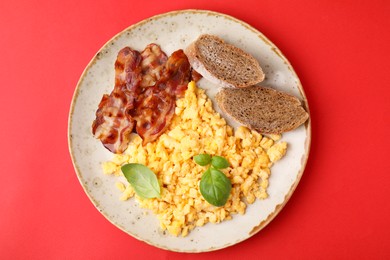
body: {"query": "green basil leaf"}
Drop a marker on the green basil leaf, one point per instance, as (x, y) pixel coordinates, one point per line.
(202, 159)
(219, 162)
(142, 179)
(215, 187)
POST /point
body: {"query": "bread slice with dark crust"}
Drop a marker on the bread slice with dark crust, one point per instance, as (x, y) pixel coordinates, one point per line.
(266, 110)
(223, 63)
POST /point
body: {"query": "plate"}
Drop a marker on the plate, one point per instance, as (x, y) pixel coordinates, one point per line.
(172, 31)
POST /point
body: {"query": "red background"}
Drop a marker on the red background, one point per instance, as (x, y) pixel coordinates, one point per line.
(339, 49)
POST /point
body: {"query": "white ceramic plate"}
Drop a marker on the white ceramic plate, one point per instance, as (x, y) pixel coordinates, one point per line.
(173, 31)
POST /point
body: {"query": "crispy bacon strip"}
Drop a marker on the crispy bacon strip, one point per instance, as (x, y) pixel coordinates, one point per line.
(152, 65)
(155, 110)
(112, 125)
(127, 70)
(146, 87)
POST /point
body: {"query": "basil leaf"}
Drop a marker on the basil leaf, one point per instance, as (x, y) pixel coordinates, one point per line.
(219, 162)
(142, 179)
(215, 187)
(202, 159)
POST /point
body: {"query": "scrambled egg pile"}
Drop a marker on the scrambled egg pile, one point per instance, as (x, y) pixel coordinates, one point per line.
(197, 129)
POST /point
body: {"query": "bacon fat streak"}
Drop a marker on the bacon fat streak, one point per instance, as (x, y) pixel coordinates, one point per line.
(147, 85)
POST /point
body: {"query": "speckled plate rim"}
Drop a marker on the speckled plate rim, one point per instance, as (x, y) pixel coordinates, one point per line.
(307, 126)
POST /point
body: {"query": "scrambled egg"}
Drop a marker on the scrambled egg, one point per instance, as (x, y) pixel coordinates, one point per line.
(196, 129)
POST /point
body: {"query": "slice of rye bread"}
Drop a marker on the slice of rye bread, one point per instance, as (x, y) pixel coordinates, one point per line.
(266, 110)
(222, 63)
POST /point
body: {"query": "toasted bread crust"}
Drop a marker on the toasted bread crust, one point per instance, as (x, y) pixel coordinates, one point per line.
(223, 63)
(267, 110)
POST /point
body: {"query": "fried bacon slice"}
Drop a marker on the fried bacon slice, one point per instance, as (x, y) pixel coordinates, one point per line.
(152, 65)
(147, 85)
(112, 125)
(156, 105)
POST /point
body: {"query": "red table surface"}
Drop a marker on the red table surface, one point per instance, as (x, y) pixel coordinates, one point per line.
(339, 49)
